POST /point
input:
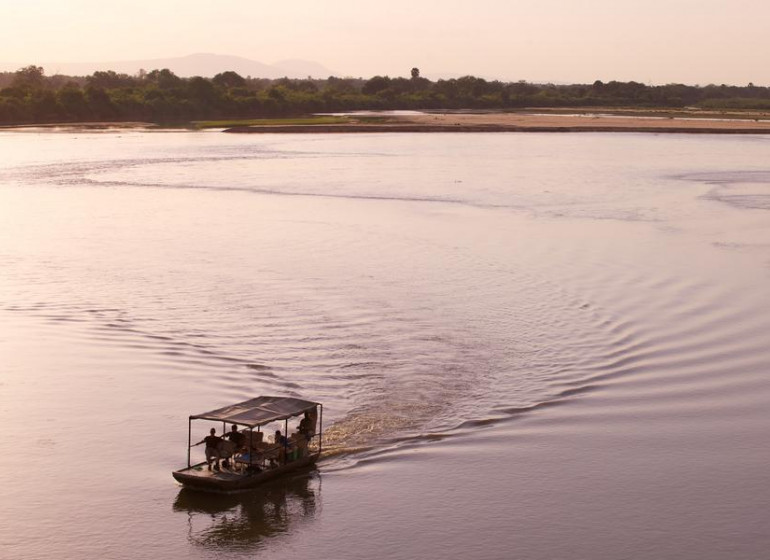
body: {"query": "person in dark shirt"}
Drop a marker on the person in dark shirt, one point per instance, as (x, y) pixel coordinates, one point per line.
(306, 427)
(283, 444)
(280, 439)
(236, 437)
(212, 442)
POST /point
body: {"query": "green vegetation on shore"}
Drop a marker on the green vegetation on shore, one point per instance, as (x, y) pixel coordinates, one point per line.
(27, 96)
(314, 120)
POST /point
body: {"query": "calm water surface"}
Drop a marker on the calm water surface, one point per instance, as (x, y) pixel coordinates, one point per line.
(528, 346)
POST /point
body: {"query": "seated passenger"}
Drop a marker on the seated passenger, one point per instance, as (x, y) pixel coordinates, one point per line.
(280, 439)
(236, 437)
(254, 449)
(300, 443)
(282, 443)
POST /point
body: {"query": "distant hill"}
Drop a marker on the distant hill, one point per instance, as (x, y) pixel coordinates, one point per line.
(200, 64)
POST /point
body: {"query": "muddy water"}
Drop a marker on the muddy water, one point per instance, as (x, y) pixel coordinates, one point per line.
(530, 346)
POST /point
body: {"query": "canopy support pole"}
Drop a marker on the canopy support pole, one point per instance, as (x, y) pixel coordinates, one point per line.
(189, 440)
(251, 446)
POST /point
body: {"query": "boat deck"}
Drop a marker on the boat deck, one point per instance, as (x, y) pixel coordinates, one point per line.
(238, 478)
(202, 471)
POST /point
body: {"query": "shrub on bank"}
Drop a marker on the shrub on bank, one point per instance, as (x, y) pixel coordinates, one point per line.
(30, 97)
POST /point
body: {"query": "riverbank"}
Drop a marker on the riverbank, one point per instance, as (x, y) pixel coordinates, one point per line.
(543, 120)
(86, 126)
(750, 123)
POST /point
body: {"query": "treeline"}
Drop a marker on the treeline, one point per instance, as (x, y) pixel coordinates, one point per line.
(27, 96)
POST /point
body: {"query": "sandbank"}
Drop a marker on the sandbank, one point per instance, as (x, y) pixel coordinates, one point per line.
(84, 126)
(535, 122)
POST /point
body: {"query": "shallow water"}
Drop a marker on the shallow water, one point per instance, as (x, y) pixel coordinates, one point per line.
(535, 345)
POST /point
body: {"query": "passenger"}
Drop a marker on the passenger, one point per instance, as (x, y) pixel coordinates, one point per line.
(280, 439)
(312, 416)
(282, 443)
(306, 427)
(299, 442)
(253, 450)
(212, 442)
(236, 437)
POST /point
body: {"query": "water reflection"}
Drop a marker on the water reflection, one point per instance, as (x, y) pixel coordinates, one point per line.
(244, 521)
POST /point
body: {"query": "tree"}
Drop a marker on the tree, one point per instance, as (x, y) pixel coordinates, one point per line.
(202, 91)
(31, 77)
(99, 103)
(109, 80)
(277, 93)
(165, 79)
(415, 73)
(44, 106)
(375, 85)
(72, 101)
(340, 86)
(229, 79)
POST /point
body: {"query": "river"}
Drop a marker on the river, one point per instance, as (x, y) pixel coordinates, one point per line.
(527, 345)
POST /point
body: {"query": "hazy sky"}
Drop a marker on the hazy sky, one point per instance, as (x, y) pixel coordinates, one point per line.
(652, 41)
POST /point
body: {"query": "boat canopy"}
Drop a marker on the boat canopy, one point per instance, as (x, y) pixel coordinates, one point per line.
(255, 412)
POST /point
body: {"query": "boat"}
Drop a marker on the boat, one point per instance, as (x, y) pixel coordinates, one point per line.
(251, 460)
